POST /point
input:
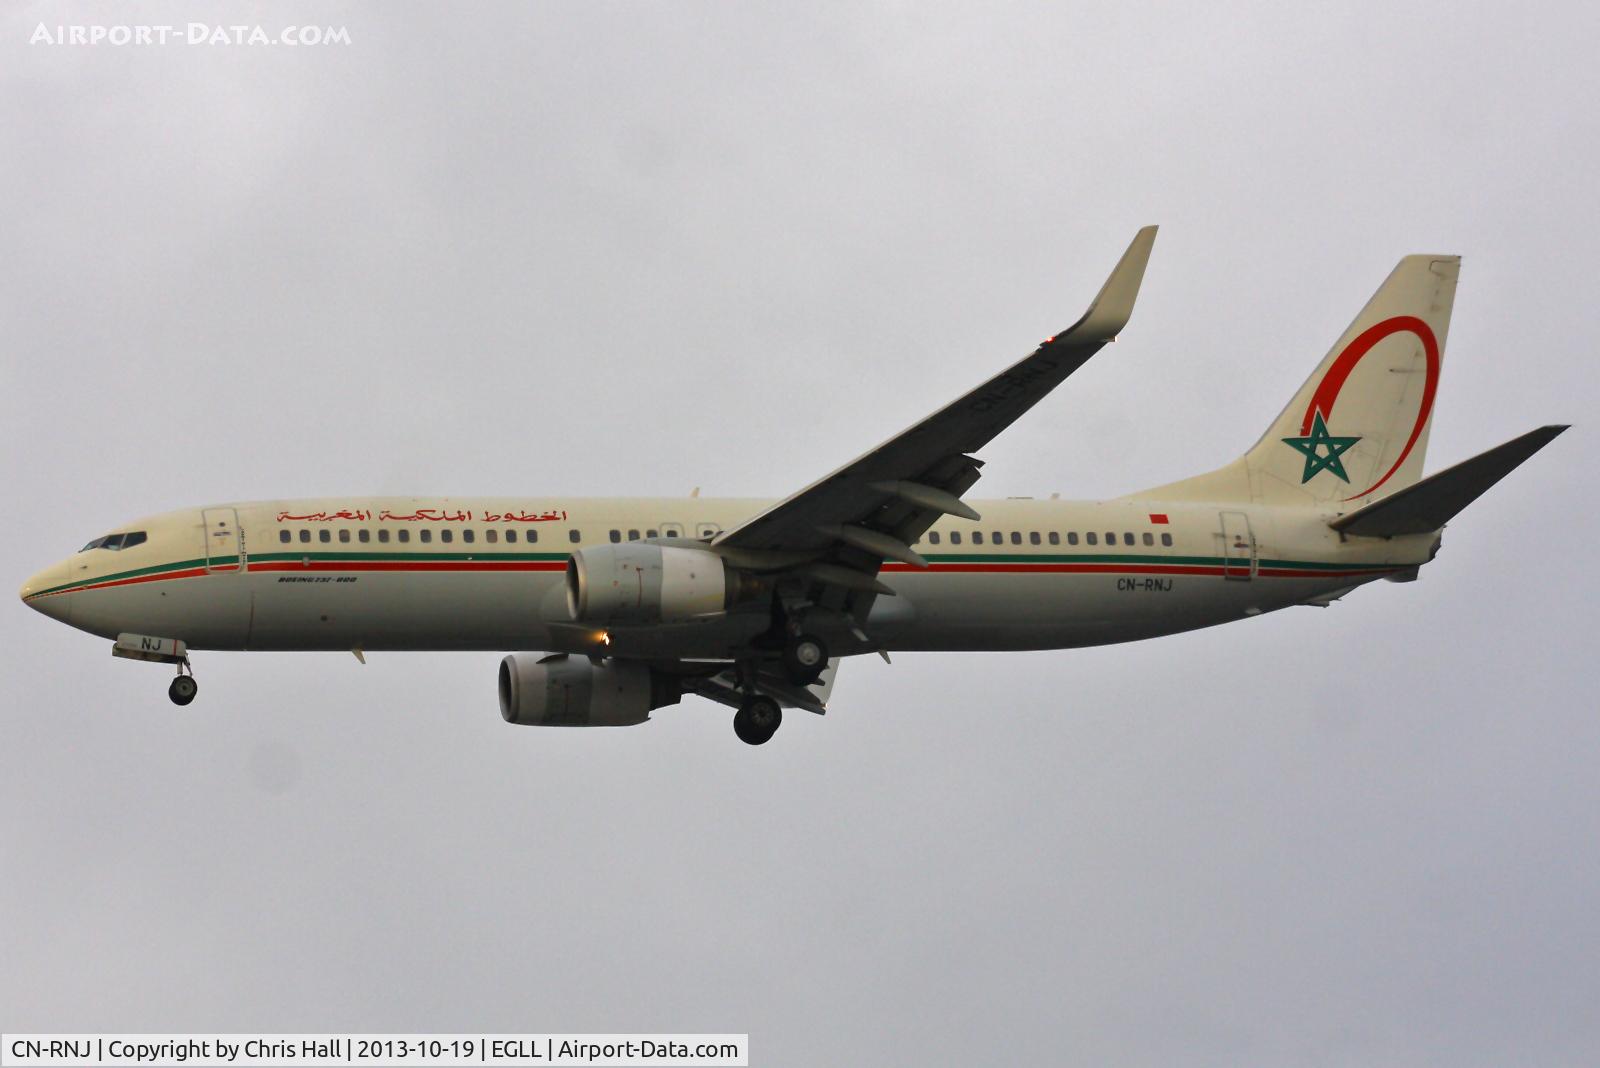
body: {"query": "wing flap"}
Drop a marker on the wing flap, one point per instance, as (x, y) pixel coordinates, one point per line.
(724, 689)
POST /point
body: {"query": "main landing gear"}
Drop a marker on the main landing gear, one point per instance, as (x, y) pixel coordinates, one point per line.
(183, 687)
(804, 659)
(757, 720)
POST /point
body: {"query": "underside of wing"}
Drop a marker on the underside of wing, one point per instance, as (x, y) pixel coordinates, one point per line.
(725, 688)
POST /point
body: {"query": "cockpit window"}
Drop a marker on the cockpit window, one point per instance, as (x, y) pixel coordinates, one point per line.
(126, 540)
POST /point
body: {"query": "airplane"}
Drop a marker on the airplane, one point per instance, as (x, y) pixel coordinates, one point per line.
(610, 609)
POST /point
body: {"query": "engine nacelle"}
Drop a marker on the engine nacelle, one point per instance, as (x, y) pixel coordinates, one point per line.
(571, 691)
(637, 582)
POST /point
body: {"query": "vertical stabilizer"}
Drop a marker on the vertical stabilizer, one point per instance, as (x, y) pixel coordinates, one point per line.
(1358, 428)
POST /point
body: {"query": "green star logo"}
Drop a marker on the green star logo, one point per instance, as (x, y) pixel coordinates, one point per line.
(1313, 444)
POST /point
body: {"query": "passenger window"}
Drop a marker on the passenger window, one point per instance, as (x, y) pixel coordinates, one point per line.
(404, 535)
(1111, 537)
(1055, 537)
(425, 535)
(955, 537)
(1072, 537)
(447, 535)
(1166, 539)
(572, 535)
(305, 535)
(363, 535)
(283, 535)
(1016, 537)
(533, 536)
(1092, 538)
(1127, 538)
(633, 535)
(977, 537)
(491, 536)
(999, 538)
(383, 536)
(344, 535)
(616, 536)
(324, 535)
(511, 537)
(651, 534)
(933, 537)
(1149, 538)
(468, 536)
(1033, 537)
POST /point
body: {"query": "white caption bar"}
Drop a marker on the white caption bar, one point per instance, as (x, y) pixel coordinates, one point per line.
(82, 1051)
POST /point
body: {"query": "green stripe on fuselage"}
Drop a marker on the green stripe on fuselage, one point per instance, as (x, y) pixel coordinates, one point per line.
(491, 557)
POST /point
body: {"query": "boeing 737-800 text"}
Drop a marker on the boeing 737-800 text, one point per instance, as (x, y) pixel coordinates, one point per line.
(628, 605)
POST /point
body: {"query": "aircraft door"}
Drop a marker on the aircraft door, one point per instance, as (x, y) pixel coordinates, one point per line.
(224, 546)
(1238, 547)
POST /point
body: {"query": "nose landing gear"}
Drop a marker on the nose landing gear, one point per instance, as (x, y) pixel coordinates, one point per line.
(183, 687)
(155, 650)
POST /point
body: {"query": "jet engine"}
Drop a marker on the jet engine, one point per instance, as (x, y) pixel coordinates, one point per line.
(637, 582)
(570, 691)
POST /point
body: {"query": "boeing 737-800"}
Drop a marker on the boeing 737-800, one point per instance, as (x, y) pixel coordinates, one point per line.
(611, 609)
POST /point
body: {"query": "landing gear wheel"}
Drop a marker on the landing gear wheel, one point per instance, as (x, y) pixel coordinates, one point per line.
(805, 658)
(757, 720)
(183, 689)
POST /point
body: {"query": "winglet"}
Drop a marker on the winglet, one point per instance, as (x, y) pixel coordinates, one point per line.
(1113, 307)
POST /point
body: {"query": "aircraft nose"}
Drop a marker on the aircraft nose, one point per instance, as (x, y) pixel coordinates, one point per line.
(35, 595)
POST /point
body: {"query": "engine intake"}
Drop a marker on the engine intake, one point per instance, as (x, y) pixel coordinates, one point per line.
(565, 691)
(637, 582)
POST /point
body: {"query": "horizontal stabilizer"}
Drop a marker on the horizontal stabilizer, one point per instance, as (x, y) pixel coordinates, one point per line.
(1426, 506)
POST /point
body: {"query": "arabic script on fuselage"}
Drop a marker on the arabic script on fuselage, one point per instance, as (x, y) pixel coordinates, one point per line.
(423, 515)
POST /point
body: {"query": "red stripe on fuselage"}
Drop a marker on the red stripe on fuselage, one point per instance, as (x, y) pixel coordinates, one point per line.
(192, 572)
(1132, 569)
(558, 565)
(410, 565)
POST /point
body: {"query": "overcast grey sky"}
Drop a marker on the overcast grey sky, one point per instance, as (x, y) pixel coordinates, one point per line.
(634, 249)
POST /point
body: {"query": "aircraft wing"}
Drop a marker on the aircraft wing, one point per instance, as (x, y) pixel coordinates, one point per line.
(876, 505)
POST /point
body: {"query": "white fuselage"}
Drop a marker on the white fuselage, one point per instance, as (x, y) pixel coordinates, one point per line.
(487, 574)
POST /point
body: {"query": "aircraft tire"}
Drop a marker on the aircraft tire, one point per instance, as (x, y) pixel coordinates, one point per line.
(757, 720)
(805, 659)
(183, 689)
